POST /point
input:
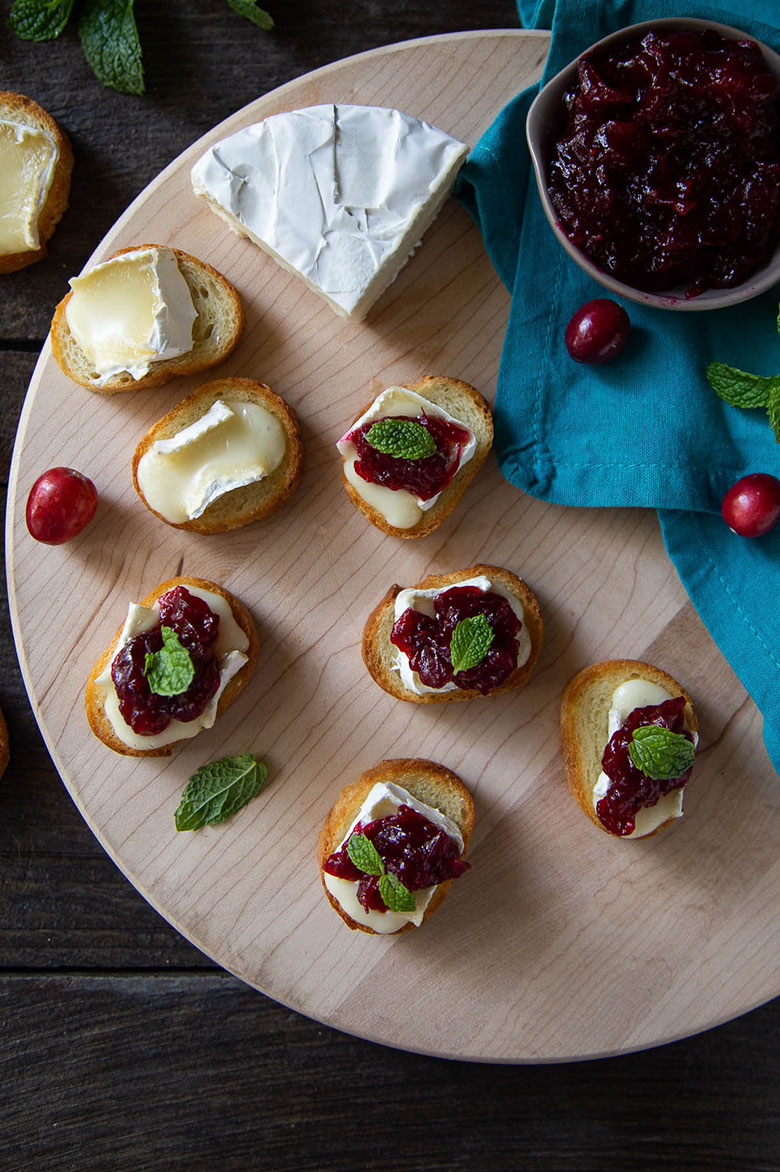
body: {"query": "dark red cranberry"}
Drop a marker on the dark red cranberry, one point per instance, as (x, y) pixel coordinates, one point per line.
(413, 848)
(631, 790)
(426, 640)
(61, 503)
(751, 507)
(597, 332)
(425, 477)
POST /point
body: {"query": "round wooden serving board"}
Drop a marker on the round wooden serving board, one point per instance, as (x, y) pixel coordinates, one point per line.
(561, 942)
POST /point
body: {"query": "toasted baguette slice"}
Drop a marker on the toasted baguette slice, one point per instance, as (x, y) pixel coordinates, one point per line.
(425, 780)
(215, 331)
(17, 108)
(466, 405)
(379, 653)
(251, 502)
(98, 721)
(5, 753)
(584, 723)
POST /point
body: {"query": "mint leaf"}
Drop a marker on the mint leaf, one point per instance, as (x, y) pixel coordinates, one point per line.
(396, 896)
(774, 412)
(739, 388)
(660, 753)
(110, 42)
(402, 438)
(249, 9)
(470, 642)
(219, 789)
(364, 855)
(169, 671)
(39, 20)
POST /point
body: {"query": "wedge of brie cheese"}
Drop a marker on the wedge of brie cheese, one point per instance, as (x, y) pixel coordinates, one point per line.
(28, 157)
(232, 445)
(131, 311)
(339, 195)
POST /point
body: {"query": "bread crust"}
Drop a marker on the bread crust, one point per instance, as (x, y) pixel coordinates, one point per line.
(203, 355)
(414, 774)
(98, 721)
(376, 646)
(5, 754)
(31, 114)
(276, 488)
(579, 749)
(434, 388)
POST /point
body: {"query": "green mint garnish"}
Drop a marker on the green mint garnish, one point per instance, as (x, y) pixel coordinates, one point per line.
(110, 42)
(660, 753)
(402, 438)
(471, 641)
(219, 789)
(739, 388)
(39, 20)
(364, 855)
(169, 671)
(395, 895)
(249, 9)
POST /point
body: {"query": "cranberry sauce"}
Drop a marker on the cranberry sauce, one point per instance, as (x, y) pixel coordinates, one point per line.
(667, 169)
(425, 640)
(197, 627)
(630, 790)
(417, 851)
(425, 477)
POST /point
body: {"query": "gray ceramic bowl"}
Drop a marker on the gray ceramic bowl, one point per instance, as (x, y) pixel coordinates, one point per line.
(541, 129)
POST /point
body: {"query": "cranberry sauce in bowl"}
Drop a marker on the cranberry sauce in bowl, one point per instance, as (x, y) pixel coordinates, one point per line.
(426, 476)
(657, 156)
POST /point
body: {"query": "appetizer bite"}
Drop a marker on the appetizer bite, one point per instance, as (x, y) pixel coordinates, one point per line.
(338, 195)
(475, 632)
(182, 656)
(228, 454)
(629, 735)
(144, 316)
(36, 162)
(410, 455)
(393, 843)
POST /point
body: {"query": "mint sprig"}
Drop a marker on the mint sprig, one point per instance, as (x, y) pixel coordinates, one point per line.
(660, 753)
(218, 790)
(402, 438)
(470, 643)
(249, 9)
(169, 671)
(395, 895)
(742, 389)
(39, 20)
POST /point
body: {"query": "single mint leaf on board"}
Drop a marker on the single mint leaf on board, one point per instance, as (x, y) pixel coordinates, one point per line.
(396, 896)
(219, 789)
(402, 438)
(364, 855)
(169, 671)
(739, 388)
(39, 20)
(774, 412)
(110, 42)
(249, 9)
(660, 753)
(471, 641)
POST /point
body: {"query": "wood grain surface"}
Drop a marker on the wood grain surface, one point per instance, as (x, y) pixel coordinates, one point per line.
(681, 944)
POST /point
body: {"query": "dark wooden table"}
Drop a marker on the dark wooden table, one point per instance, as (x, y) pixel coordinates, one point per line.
(122, 1046)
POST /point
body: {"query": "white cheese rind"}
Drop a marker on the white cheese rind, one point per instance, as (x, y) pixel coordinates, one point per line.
(229, 650)
(28, 158)
(400, 508)
(422, 601)
(383, 800)
(338, 194)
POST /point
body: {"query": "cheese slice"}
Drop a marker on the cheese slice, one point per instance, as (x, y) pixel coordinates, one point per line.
(339, 195)
(131, 311)
(232, 445)
(28, 157)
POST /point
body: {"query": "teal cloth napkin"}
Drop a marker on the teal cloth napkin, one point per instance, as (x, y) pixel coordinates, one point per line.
(645, 430)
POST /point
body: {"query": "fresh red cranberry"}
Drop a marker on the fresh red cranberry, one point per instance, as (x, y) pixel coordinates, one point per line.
(61, 503)
(426, 639)
(597, 332)
(425, 477)
(631, 790)
(666, 170)
(751, 507)
(412, 847)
